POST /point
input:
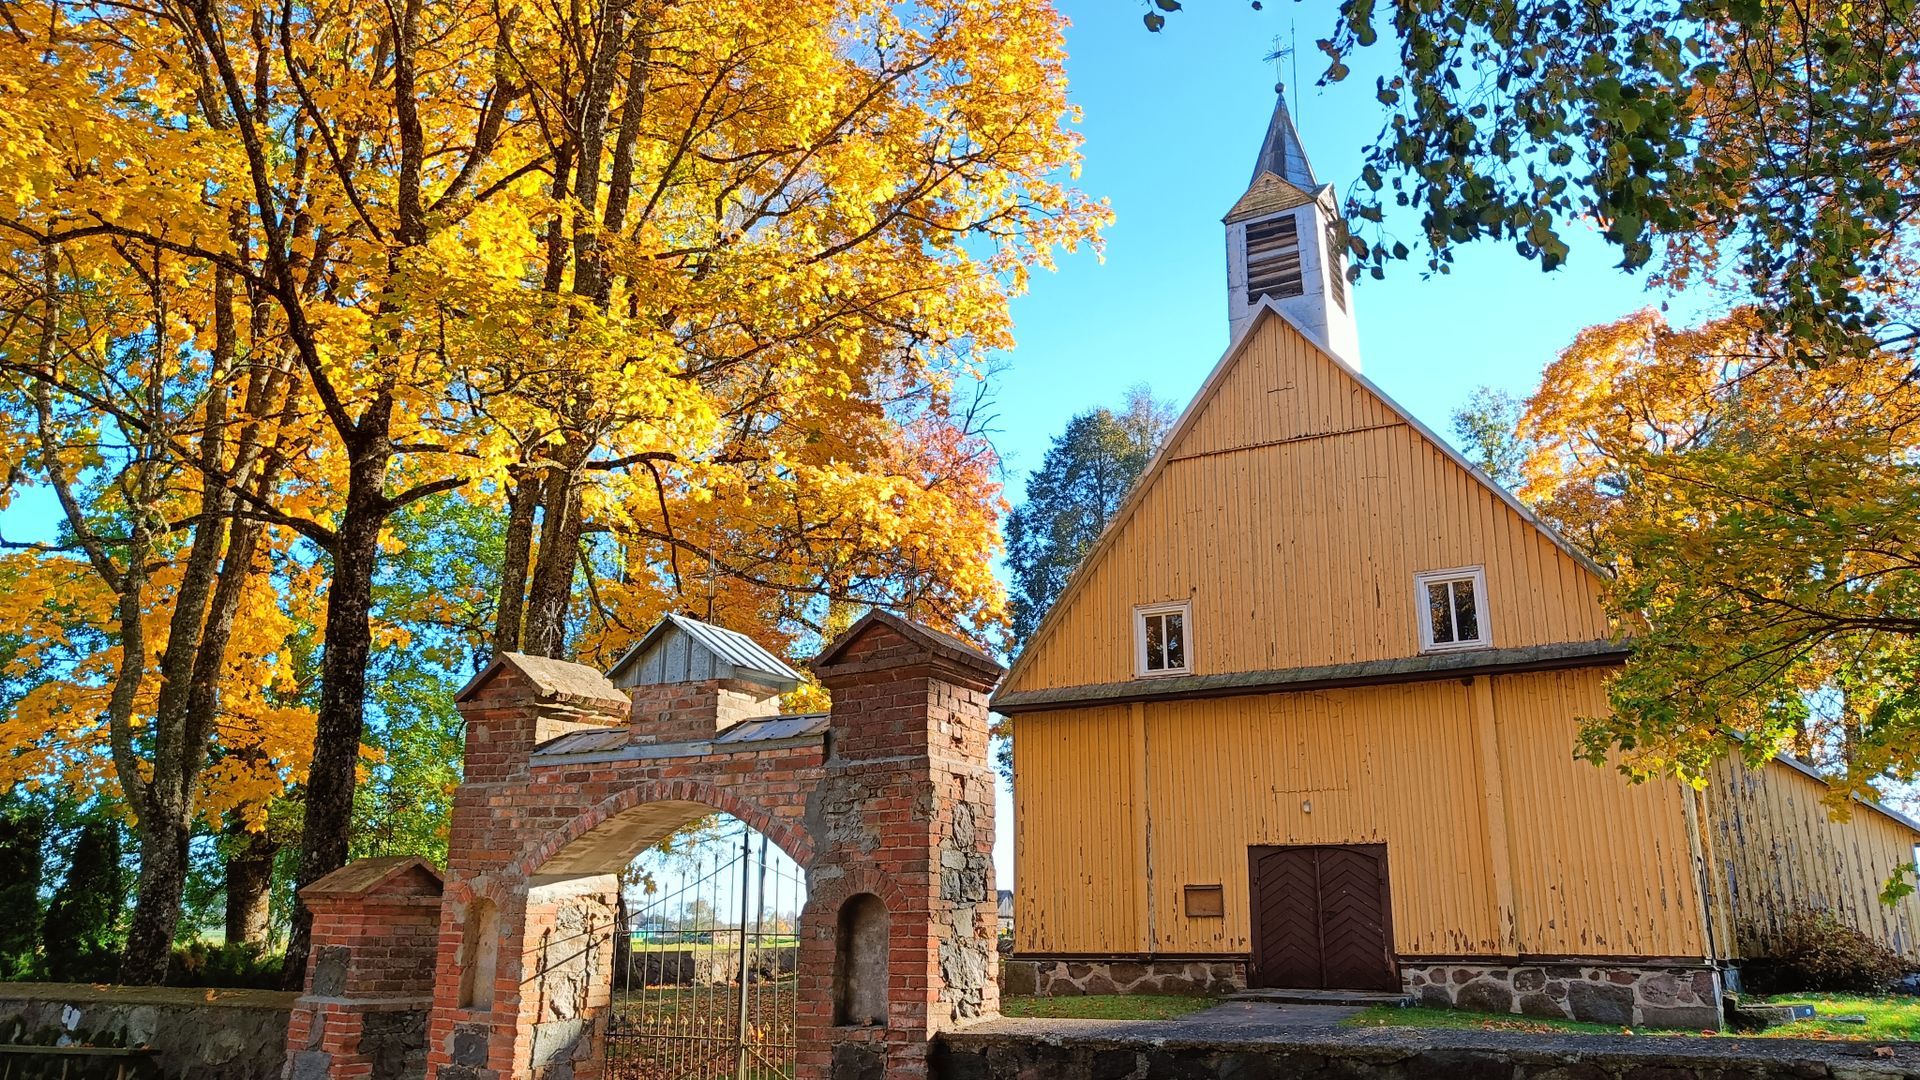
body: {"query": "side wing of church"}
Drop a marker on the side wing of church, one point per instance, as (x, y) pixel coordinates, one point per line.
(1305, 717)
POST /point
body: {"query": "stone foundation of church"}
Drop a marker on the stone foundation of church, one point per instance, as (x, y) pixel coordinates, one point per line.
(1651, 995)
(1623, 994)
(1068, 978)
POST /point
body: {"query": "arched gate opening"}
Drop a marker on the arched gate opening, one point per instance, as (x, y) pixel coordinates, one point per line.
(706, 958)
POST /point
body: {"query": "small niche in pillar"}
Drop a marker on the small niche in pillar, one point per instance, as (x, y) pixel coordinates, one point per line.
(860, 963)
(478, 951)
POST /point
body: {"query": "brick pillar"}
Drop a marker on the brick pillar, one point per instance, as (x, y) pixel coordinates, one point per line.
(370, 973)
(525, 966)
(904, 817)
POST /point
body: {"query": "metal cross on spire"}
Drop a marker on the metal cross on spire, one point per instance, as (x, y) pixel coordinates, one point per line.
(1282, 153)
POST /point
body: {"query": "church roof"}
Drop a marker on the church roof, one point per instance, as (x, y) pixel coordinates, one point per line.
(1282, 154)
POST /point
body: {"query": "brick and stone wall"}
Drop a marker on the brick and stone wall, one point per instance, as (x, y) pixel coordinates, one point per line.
(568, 778)
(903, 812)
(691, 711)
(1673, 997)
(370, 973)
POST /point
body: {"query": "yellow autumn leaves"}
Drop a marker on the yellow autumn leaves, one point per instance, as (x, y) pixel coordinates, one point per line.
(718, 278)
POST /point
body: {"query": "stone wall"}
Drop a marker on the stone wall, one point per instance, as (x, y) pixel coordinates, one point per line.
(1066, 978)
(1090, 1050)
(1672, 997)
(202, 1034)
(705, 967)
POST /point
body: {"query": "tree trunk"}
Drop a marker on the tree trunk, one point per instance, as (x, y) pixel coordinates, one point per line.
(156, 910)
(249, 884)
(552, 590)
(341, 716)
(522, 502)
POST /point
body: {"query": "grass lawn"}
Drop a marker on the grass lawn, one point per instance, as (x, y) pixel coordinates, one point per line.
(1105, 1007)
(1420, 1017)
(1888, 1019)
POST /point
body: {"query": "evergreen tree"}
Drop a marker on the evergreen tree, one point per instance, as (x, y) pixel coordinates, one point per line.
(23, 832)
(83, 932)
(1088, 471)
(1487, 430)
(1084, 478)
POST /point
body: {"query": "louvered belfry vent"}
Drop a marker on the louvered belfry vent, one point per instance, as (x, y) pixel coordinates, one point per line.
(1336, 279)
(1273, 259)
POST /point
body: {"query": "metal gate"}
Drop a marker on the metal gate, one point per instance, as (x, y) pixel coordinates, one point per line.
(704, 971)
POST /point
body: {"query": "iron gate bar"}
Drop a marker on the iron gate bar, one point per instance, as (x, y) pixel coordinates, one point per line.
(700, 1021)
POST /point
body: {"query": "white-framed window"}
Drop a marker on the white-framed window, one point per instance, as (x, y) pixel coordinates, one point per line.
(1451, 606)
(1160, 642)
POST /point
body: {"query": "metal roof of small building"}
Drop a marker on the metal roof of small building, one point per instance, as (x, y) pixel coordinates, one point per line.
(774, 727)
(612, 740)
(684, 649)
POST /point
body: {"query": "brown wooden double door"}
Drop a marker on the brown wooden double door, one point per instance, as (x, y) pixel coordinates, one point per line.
(1322, 918)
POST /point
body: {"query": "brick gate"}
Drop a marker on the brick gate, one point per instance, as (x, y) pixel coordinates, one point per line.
(886, 802)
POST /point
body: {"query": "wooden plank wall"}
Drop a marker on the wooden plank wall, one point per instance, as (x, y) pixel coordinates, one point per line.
(1294, 511)
(1119, 808)
(1777, 846)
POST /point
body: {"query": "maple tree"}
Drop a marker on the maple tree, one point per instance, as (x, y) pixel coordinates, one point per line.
(711, 286)
(148, 627)
(1757, 516)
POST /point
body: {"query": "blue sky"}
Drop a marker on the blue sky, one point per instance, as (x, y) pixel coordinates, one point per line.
(1172, 123)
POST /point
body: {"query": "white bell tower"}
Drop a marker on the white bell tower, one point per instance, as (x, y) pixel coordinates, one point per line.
(1287, 242)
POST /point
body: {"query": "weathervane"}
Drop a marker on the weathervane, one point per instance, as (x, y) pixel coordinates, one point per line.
(1280, 55)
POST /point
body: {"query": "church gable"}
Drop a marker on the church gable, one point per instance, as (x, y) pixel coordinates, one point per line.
(1291, 511)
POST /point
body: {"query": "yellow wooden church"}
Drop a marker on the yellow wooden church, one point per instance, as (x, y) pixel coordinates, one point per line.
(1305, 717)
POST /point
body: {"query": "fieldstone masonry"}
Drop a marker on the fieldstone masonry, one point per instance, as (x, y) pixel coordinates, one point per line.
(1069, 978)
(1676, 997)
(887, 804)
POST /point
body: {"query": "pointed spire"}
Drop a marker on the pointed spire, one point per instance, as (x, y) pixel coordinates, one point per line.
(1282, 154)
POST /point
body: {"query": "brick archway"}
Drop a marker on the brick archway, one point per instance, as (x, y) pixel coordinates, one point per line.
(567, 777)
(575, 839)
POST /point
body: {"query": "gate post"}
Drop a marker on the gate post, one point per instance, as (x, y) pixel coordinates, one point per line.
(370, 974)
(525, 964)
(897, 940)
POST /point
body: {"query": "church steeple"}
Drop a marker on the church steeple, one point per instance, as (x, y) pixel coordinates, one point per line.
(1286, 242)
(1282, 153)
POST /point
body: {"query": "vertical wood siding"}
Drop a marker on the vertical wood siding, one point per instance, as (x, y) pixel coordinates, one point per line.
(1601, 866)
(1076, 814)
(1294, 510)
(1597, 866)
(1777, 847)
